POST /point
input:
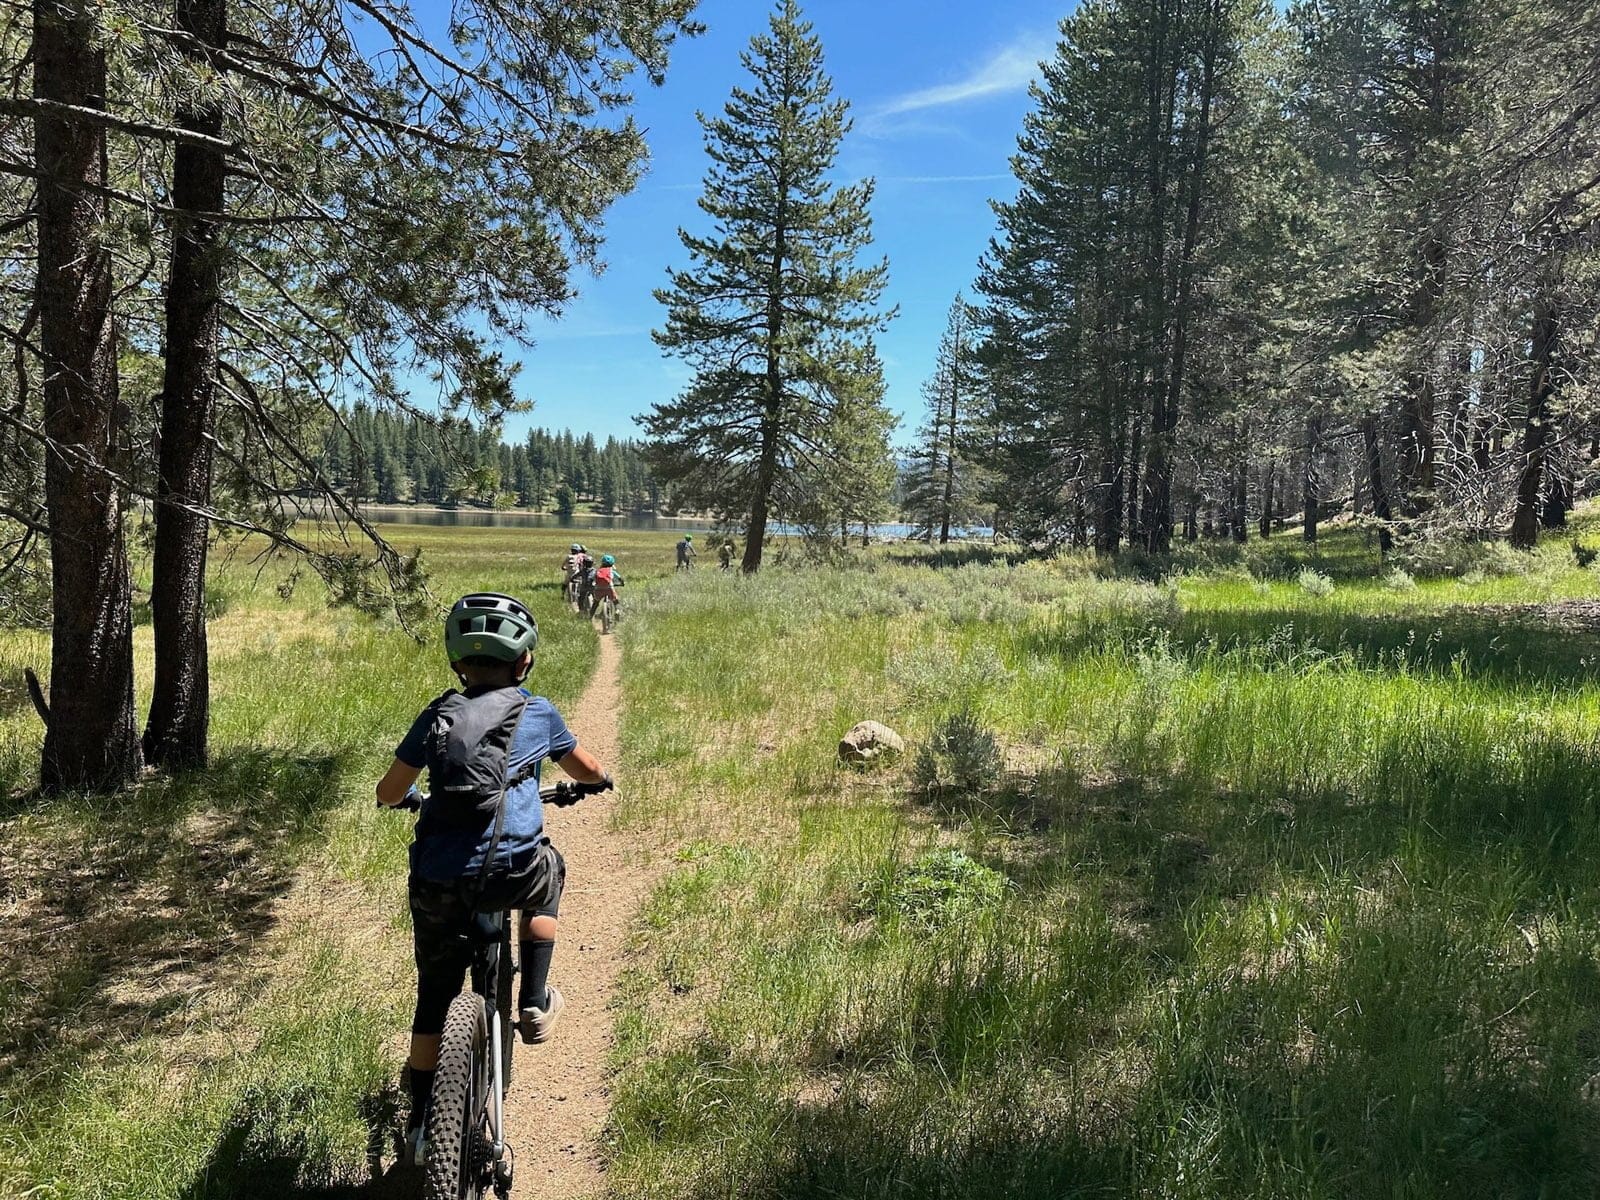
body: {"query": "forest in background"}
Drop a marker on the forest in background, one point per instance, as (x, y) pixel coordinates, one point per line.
(1269, 265)
(397, 457)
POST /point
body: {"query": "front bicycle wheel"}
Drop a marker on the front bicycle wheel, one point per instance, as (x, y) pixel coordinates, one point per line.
(457, 1128)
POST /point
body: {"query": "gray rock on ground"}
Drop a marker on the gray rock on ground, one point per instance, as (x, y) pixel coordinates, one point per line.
(869, 744)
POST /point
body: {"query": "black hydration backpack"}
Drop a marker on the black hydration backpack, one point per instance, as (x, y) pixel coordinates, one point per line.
(468, 751)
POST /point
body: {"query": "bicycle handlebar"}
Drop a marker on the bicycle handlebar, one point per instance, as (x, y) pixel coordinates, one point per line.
(561, 794)
(570, 791)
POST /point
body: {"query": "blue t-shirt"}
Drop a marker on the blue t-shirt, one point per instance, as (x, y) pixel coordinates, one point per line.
(452, 853)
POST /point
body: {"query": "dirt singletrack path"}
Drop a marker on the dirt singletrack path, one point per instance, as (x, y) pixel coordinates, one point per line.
(560, 1091)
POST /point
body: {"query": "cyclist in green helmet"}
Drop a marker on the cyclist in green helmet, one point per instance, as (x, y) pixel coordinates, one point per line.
(470, 857)
(686, 552)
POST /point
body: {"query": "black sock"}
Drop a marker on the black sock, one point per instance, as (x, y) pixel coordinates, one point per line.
(536, 955)
(421, 1089)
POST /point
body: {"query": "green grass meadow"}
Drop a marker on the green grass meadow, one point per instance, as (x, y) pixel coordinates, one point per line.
(1238, 885)
(1271, 875)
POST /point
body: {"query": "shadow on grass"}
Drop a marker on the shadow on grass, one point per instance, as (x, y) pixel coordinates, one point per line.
(124, 910)
(1521, 645)
(1512, 645)
(260, 1154)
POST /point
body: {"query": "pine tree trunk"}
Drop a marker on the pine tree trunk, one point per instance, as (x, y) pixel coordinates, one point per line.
(1375, 484)
(950, 456)
(1535, 433)
(1557, 500)
(92, 742)
(175, 736)
(1268, 494)
(1158, 469)
(1135, 460)
(1239, 517)
(767, 461)
(1309, 500)
(1108, 533)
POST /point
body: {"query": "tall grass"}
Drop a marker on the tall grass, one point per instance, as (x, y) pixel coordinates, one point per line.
(1289, 908)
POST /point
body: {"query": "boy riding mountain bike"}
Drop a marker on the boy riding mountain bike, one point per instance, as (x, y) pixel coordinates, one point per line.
(569, 565)
(605, 582)
(686, 552)
(575, 570)
(480, 842)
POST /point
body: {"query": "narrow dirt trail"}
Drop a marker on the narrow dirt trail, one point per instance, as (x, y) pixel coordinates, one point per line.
(561, 1091)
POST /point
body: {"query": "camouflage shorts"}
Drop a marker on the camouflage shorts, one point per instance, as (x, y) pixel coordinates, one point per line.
(445, 915)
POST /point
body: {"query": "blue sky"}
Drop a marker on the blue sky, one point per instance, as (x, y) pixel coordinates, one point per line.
(938, 89)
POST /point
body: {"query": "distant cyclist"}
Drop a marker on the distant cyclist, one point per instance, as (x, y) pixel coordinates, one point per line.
(570, 570)
(585, 568)
(725, 554)
(686, 552)
(605, 582)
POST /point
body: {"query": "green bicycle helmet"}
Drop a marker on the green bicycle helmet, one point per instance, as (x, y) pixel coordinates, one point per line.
(688, 537)
(608, 560)
(489, 625)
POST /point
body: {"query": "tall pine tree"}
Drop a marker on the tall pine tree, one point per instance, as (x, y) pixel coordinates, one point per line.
(775, 314)
(940, 483)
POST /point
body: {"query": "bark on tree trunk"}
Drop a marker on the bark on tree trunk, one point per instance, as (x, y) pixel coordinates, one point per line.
(1108, 532)
(1309, 498)
(1239, 518)
(1268, 489)
(92, 742)
(1557, 500)
(1375, 483)
(1535, 433)
(175, 736)
(1135, 460)
(767, 460)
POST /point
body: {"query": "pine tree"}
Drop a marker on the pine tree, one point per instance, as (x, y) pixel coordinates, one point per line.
(939, 486)
(775, 314)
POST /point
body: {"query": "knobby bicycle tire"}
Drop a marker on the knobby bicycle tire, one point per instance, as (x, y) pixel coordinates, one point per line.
(459, 1095)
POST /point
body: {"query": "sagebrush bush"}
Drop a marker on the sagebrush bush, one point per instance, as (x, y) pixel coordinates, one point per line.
(961, 756)
(1315, 583)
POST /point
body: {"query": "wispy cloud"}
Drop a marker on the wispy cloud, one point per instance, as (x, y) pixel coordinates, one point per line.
(1008, 69)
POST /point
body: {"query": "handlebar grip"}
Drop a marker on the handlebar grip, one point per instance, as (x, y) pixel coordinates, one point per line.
(570, 791)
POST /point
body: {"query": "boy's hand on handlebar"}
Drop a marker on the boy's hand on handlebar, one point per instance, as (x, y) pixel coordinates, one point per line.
(412, 801)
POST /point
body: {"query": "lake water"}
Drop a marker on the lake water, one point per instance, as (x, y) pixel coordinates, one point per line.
(401, 514)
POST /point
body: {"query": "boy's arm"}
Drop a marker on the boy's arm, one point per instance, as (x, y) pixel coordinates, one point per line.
(579, 764)
(396, 782)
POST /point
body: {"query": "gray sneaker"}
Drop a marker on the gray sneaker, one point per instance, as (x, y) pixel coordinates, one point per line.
(536, 1022)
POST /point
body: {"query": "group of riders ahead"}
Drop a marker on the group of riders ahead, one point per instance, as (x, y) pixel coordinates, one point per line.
(589, 582)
